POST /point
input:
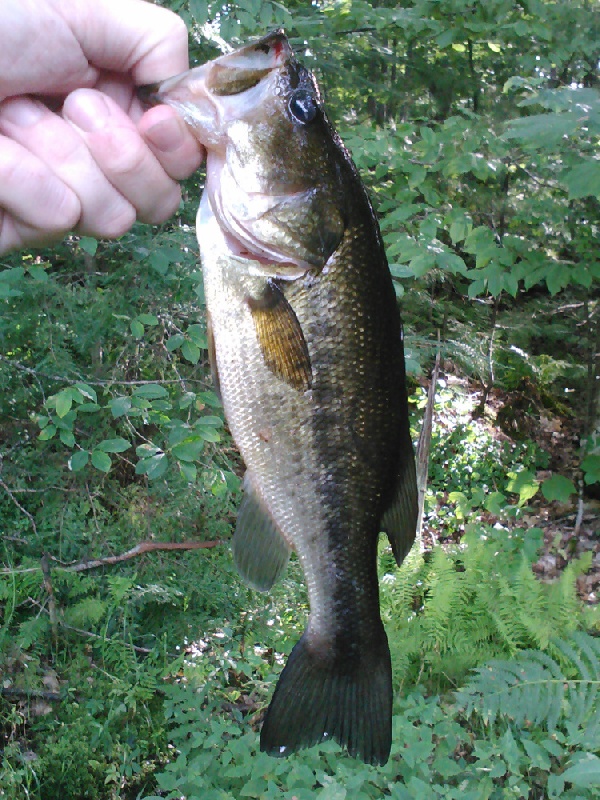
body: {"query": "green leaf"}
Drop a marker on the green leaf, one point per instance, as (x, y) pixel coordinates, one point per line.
(459, 229)
(401, 271)
(583, 180)
(197, 334)
(451, 263)
(210, 422)
(11, 275)
(209, 434)
(89, 245)
(422, 264)
(137, 329)
(78, 460)
(67, 438)
(147, 319)
(557, 278)
(173, 342)
(496, 503)
(586, 772)
(117, 445)
(591, 469)
(101, 461)
(47, 433)
(152, 467)
(188, 450)
(544, 129)
(88, 408)
(190, 351)
(38, 273)
(162, 257)
(188, 471)
(87, 391)
(210, 398)
(64, 401)
(119, 406)
(147, 450)
(558, 488)
(199, 11)
(524, 484)
(150, 391)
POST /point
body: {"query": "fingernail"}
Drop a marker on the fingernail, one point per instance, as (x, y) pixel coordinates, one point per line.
(87, 109)
(21, 111)
(166, 135)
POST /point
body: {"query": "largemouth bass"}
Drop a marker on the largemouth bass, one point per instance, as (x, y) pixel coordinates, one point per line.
(306, 346)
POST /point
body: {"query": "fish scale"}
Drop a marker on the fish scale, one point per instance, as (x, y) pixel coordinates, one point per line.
(309, 360)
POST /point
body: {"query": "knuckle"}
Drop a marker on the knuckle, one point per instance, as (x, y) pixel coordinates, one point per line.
(161, 211)
(54, 207)
(117, 224)
(125, 155)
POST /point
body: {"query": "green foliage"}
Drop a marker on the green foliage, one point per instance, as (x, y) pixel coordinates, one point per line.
(536, 689)
(476, 130)
(456, 609)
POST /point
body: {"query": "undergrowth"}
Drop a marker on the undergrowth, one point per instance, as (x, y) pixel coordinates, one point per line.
(152, 675)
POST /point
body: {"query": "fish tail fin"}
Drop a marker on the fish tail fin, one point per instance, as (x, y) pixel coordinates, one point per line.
(346, 699)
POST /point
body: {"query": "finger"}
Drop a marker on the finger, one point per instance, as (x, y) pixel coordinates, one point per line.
(178, 151)
(103, 211)
(122, 155)
(176, 148)
(129, 36)
(35, 205)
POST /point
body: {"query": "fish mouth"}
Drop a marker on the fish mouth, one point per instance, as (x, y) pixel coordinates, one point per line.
(230, 74)
(210, 98)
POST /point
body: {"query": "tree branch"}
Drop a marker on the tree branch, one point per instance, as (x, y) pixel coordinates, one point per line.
(138, 550)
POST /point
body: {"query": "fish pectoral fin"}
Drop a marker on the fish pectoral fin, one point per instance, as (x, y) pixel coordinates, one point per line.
(280, 337)
(400, 518)
(260, 552)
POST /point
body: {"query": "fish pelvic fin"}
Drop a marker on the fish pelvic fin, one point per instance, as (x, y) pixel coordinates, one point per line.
(260, 552)
(280, 337)
(349, 700)
(400, 518)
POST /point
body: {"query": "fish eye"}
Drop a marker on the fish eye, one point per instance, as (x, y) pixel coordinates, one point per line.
(303, 106)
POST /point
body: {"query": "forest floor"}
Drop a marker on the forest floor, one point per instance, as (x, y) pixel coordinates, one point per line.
(570, 529)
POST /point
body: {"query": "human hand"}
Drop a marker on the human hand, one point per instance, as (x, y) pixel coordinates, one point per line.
(102, 162)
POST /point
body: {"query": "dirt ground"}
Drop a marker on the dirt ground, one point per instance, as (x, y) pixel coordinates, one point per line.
(570, 529)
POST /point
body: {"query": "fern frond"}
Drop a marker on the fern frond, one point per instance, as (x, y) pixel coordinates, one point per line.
(535, 688)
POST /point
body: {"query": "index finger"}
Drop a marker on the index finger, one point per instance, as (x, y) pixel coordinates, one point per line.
(133, 36)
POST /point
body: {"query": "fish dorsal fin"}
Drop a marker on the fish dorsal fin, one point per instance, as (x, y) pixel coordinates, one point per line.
(280, 336)
(400, 518)
(260, 552)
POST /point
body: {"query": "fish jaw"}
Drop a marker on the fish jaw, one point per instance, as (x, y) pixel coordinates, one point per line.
(203, 95)
(269, 182)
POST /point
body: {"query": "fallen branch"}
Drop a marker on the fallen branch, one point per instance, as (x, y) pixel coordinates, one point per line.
(138, 550)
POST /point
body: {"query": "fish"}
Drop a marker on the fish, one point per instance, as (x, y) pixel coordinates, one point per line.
(306, 347)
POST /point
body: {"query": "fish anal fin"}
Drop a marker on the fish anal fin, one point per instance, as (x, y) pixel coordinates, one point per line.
(260, 552)
(400, 518)
(280, 337)
(349, 700)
